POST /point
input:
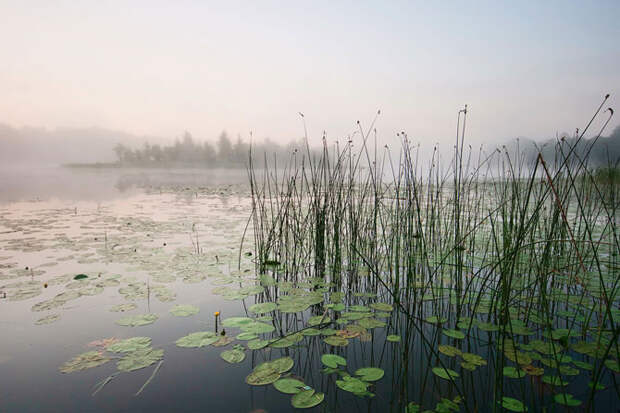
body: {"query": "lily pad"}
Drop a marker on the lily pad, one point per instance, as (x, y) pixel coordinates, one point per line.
(137, 320)
(370, 373)
(84, 361)
(184, 310)
(457, 334)
(352, 385)
(48, 319)
(130, 344)
(333, 360)
(262, 376)
(139, 359)
(336, 341)
(307, 399)
(566, 399)
(197, 339)
(289, 385)
(233, 356)
(513, 405)
(393, 338)
(257, 344)
(121, 308)
(263, 308)
(445, 374)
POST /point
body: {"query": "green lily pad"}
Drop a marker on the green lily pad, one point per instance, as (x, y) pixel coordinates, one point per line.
(513, 405)
(352, 385)
(184, 310)
(446, 374)
(263, 308)
(513, 372)
(48, 319)
(381, 307)
(566, 399)
(233, 356)
(307, 399)
(130, 344)
(457, 334)
(289, 385)
(281, 365)
(80, 277)
(246, 336)
(449, 351)
(370, 373)
(237, 321)
(257, 344)
(257, 327)
(84, 361)
(137, 320)
(333, 360)
(336, 341)
(139, 359)
(393, 338)
(318, 320)
(121, 308)
(197, 339)
(262, 376)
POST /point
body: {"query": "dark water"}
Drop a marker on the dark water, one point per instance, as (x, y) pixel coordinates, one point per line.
(143, 225)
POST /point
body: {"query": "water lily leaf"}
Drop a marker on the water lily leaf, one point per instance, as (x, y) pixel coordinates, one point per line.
(80, 277)
(382, 307)
(370, 373)
(223, 341)
(449, 351)
(257, 344)
(246, 336)
(513, 373)
(48, 319)
(459, 335)
(121, 308)
(446, 374)
(137, 320)
(262, 376)
(281, 365)
(554, 380)
(352, 385)
(263, 308)
(237, 321)
(130, 344)
(139, 359)
(333, 360)
(393, 338)
(371, 323)
(233, 356)
(311, 332)
(184, 310)
(336, 341)
(307, 399)
(84, 361)
(613, 365)
(257, 327)
(513, 405)
(436, 320)
(289, 385)
(566, 399)
(198, 339)
(318, 320)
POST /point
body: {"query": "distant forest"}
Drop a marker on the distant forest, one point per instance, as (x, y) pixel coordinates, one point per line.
(187, 152)
(603, 152)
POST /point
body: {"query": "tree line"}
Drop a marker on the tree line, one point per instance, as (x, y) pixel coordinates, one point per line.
(188, 152)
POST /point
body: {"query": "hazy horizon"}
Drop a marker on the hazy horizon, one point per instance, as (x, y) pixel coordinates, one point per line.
(156, 69)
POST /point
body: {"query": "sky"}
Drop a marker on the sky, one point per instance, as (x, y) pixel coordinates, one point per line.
(525, 68)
